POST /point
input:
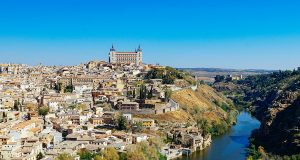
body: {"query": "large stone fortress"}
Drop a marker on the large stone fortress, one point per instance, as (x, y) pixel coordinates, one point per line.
(125, 57)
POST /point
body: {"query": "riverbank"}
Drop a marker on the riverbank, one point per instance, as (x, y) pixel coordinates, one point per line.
(231, 145)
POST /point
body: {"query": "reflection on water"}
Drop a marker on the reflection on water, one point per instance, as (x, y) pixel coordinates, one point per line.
(230, 146)
(240, 139)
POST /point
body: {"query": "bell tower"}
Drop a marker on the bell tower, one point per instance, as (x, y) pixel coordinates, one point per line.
(112, 54)
(139, 55)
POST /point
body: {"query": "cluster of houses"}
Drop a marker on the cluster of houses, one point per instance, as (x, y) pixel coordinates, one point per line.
(83, 104)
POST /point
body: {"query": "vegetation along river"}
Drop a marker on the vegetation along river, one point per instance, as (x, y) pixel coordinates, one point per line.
(232, 145)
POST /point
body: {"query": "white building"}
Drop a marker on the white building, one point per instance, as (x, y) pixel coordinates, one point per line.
(128, 116)
(9, 151)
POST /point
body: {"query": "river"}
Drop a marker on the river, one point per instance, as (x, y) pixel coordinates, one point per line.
(232, 145)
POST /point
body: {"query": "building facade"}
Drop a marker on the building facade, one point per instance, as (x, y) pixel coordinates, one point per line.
(125, 57)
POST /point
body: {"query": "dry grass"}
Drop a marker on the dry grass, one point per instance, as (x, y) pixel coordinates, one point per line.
(195, 105)
(201, 103)
(176, 116)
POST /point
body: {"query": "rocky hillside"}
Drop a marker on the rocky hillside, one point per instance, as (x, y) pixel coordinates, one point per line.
(275, 100)
(205, 104)
(204, 107)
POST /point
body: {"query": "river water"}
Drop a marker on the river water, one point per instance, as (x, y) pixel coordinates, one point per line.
(232, 145)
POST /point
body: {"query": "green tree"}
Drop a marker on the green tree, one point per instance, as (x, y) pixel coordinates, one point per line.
(85, 155)
(204, 125)
(219, 78)
(40, 156)
(253, 152)
(133, 94)
(57, 86)
(143, 92)
(122, 122)
(64, 156)
(129, 94)
(138, 127)
(169, 79)
(43, 111)
(150, 93)
(162, 157)
(202, 82)
(123, 156)
(168, 94)
(16, 105)
(110, 154)
(169, 75)
(69, 88)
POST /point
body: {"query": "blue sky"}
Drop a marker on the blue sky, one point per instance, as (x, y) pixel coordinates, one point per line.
(189, 33)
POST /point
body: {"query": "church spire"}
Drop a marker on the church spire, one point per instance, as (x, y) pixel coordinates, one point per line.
(112, 48)
(139, 48)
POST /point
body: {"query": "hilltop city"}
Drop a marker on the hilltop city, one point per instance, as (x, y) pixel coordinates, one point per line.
(52, 111)
(124, 109)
